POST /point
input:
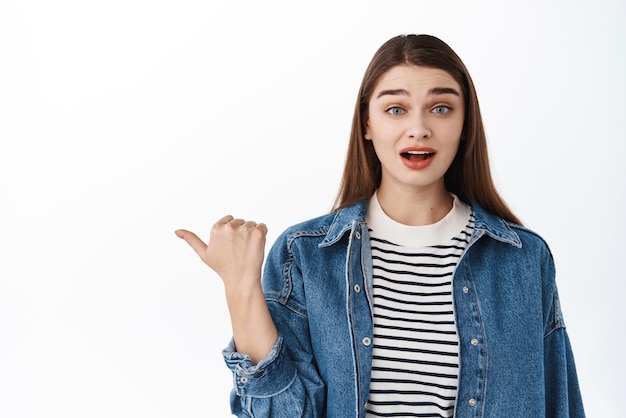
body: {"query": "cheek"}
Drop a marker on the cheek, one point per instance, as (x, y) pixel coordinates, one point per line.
(383, 150)
(380, 126)
(454, 131)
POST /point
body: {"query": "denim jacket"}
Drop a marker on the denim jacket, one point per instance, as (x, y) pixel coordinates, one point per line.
(515, 355)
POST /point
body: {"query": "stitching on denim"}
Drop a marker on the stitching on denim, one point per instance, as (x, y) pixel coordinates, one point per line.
(556, 326)
(293, 307)
(293, 379)
(337, 237)
(533, 233)
(287, 288)
(247, 407)
(558, 315)
(306, 233)
(483, 388)
(350, 308)
(284, 297)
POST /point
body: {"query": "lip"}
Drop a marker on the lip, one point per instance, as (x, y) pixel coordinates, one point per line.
(421, 163)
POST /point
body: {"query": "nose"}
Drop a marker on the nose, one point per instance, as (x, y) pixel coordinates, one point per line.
(418, 128)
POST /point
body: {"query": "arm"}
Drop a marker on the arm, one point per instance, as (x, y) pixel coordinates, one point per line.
(235, 252)
(273, 365)
(563, 398)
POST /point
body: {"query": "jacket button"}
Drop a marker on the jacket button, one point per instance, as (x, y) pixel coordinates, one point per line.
(366, 341)
(357, 288)
(472, 402)
(357, 234)
(465, 289)
(474, 342)
(244, 380)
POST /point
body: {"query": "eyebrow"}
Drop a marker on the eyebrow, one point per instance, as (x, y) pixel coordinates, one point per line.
(432, 92)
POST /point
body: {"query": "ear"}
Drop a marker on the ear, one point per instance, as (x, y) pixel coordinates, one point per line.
(367, 135)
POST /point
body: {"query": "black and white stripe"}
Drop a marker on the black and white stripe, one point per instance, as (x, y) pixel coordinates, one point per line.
(415, 355)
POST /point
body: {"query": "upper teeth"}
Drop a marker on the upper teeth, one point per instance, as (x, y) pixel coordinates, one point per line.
(419, 152)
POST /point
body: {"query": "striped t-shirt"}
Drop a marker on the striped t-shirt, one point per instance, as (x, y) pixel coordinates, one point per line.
(415, 361)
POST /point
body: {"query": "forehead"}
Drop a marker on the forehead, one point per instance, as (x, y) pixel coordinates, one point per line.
(415, 77)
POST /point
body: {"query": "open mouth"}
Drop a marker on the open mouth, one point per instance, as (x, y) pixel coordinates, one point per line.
(417, 155)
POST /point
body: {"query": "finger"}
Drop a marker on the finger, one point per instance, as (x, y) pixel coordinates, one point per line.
(225, 219)
(194, 242)
(250, 224)
(262, 227)
(237, 222)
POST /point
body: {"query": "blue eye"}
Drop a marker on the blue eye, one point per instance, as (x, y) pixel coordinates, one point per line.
(441, 110)
(395, 111)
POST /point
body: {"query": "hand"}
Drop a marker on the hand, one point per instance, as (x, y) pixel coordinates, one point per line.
(235, 250)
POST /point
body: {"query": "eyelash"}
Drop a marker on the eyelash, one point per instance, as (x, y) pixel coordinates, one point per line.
(391, 109)
(448, 109)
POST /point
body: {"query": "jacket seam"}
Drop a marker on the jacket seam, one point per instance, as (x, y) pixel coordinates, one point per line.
(283, 299)
(531, 232)
(293, 307)
(293, 379)
(556, 326)
(558, 322)
(306, 233)
(485, 361)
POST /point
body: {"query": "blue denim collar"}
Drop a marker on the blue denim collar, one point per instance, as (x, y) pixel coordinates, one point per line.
(346, 219)
(494, 226)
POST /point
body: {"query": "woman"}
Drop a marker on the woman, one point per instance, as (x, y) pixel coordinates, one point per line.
(420, 294)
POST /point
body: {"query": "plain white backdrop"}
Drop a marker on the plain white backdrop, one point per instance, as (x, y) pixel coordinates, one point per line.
(121, 121)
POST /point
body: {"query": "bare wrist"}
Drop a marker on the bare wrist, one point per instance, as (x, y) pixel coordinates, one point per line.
(245, 293)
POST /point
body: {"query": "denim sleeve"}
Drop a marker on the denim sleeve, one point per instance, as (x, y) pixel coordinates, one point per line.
(286, 383)
(563, 398)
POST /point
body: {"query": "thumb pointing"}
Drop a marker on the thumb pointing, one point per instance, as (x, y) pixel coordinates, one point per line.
(192, 239)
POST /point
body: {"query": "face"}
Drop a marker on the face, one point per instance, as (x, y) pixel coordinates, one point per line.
(415, 120)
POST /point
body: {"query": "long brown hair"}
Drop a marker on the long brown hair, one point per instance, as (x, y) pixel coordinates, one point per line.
(469, 176)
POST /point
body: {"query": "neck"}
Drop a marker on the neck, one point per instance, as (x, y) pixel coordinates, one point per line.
(415, 207)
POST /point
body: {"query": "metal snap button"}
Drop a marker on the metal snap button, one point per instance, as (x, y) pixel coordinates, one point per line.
(472, 402)
(366, 341)
(465, 289)
(357, 288)
(474, 342)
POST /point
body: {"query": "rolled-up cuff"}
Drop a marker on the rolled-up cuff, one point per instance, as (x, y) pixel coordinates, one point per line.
(270, 376)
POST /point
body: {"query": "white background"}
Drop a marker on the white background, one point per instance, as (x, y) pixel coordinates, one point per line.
(123, 120)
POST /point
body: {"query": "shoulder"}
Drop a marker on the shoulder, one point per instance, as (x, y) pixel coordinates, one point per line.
(529, 236)
(513, 250)
(329, 227)
(311, 227)
(508, 232)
